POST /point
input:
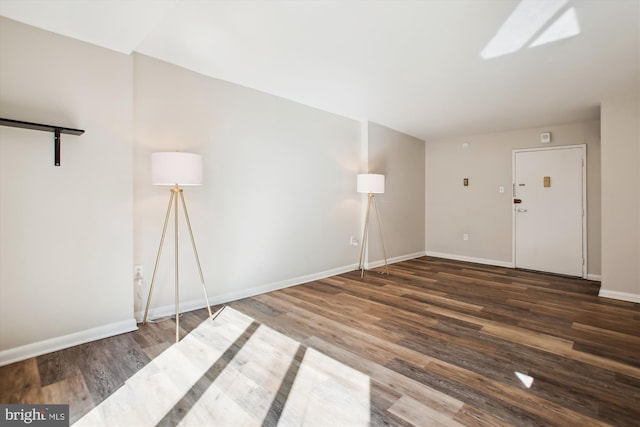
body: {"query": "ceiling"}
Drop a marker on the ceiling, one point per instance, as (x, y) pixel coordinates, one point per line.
(430, 68)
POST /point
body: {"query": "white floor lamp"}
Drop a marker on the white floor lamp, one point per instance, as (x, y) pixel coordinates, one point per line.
(371, 184)
(176, 169)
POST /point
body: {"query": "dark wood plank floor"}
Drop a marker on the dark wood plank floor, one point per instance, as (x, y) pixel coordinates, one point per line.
(452, 327)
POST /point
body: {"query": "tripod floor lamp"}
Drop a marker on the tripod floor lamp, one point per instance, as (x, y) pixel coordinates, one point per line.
(176, 169)
(371, 184)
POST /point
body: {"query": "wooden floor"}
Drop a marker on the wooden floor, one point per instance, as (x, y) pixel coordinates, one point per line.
(440, 340)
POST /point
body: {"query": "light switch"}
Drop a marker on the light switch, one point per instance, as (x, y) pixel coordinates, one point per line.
(547, 181)
(465, 182)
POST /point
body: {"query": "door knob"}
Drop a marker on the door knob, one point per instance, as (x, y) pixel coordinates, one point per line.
(521, 210)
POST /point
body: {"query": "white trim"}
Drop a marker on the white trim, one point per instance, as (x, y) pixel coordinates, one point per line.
(393, 260)
(196, 304)
(624, 296)
(594, 277)
(58, 343)
(584, 200)
(454, 257)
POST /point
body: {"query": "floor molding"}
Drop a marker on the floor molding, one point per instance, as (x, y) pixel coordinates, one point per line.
(58, 343)
(196, 304)
(507, 264)
(485, 261)
(624, 296)
(380, 263)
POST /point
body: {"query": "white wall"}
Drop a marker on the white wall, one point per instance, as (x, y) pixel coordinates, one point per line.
(400, 158)
(621, 198)
(479, 209)
(278, 205)
(66, 232)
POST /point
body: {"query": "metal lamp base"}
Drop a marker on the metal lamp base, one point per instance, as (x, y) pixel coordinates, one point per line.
(365, 235)
(173, 202)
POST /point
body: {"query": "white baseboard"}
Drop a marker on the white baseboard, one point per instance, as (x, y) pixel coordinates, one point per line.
(58, 343)
(497, 263)
(624, 296)
(380, 263)
(196, 304)
(594, 277)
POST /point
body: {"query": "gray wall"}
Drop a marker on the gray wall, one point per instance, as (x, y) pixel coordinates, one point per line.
(278, 205)
(66, 232)
(621, 198)
(479, 209)
(400, 158)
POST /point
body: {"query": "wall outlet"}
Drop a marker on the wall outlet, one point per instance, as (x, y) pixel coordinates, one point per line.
(501, 189)
(138, 274)
(353, 241)
(465, 236)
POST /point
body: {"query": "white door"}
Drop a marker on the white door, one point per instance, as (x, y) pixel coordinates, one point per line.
(549, 220)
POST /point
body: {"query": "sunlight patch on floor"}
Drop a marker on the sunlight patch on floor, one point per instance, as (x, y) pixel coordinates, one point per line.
(232, 370)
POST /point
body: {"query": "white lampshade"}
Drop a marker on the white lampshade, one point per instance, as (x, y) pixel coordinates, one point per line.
(370, 183)
(171, 168)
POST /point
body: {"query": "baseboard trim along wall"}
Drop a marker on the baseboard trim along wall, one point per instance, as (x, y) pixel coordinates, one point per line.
(497, 263)
(380, 262)
(58, 343)
(624, 296)
(196, 304)
(508, 264)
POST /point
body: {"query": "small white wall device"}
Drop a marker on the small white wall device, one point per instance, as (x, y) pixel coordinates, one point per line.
(545, 137)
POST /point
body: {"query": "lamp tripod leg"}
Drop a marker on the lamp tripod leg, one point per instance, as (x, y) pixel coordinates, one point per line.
(195, 251)
(365, 237)
(155, 269)
(384, 252)
(175, 235)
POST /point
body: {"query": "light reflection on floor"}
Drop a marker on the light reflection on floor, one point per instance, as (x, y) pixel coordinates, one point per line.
(525, 379)
(233, 371)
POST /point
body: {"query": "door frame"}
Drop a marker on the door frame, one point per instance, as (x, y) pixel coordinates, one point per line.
(584, 199)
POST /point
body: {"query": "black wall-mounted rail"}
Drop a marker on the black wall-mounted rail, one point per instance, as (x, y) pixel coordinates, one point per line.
(57, 130)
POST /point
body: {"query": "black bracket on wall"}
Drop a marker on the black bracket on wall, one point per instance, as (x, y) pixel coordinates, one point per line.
(57, 130)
